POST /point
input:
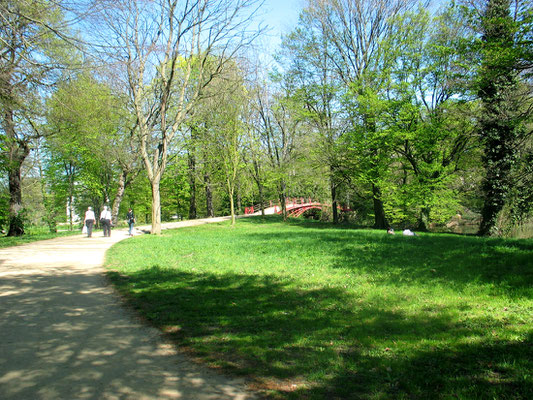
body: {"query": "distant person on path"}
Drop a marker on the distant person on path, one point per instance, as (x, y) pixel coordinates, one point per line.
(130, 217)
(105, 220)
(89, 221)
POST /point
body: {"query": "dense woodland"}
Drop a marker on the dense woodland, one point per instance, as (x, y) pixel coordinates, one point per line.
(395, 113)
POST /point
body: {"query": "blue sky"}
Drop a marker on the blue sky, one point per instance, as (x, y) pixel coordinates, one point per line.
(281, 16)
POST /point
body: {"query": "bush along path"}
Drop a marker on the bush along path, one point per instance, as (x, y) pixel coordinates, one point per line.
(65, 335)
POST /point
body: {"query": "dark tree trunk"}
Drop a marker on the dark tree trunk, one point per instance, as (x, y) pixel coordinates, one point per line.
(283, 199)
(423, 220)
(256, 176)
(208, 196)
(18, 150)
(495, 189)
(499, 119)
(239, 200)
(380, 221)
(16, 224)
(192, 187)
(334, 209)
(261, 198)
(18, 154)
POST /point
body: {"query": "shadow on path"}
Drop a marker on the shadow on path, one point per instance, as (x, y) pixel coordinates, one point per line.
(64, 334)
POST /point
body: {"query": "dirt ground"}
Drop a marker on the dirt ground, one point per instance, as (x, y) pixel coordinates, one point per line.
(64, 333)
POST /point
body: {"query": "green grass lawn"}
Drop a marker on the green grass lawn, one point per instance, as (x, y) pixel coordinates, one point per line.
(310, 311)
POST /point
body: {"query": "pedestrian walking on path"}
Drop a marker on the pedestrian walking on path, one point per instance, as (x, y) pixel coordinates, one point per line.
(105, 220)
(89, 221)
(130, 217)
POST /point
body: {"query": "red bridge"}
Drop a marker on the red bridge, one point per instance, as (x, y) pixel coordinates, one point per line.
(295, 207)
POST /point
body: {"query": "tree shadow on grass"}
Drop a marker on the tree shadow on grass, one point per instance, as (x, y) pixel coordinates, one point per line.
(318, 343)
(471, 371)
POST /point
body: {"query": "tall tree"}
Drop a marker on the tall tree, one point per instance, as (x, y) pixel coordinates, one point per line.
(501, 123)
(171, 51)
(279, 129)
(355, 29)
(32, 54)
(93, 133)
(426, 117)
(228, 131)
(253, 155)
(318, 90)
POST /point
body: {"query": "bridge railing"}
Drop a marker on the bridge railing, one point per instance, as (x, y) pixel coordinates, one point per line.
(291, 203)
(257, 207)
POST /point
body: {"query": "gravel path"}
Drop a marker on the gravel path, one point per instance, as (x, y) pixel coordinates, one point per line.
(65, 335)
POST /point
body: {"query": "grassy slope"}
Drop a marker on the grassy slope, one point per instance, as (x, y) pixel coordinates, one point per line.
(312, 311)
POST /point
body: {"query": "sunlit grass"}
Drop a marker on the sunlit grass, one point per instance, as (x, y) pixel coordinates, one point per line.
(307, 310)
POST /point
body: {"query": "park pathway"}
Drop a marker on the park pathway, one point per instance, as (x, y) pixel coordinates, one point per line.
(65, 335)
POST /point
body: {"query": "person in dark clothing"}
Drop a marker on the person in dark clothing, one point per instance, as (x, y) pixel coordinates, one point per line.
(130, 217)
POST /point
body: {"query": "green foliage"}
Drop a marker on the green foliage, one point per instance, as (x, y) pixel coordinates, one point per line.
(139, 198)
(89, 142)
(505, 109)
(174, 190)
(521, 196)
(33, 56)
(4, 208)
(386, 127)
(307, 310)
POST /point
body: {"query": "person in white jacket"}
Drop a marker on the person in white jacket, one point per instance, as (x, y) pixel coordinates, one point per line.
(89, 221)
(105, 220)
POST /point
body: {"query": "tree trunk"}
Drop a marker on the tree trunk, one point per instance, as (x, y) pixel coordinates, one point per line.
(380, 221)
(119, 196)
(18, 153)
(423, 219)
(501, 114)
(261, 198)
(208, 196)
(256, 176)
(334, 209)
(283, 199)
(495, 188)
(239, 201)
(71, 202)
(231, 201)
(71, 210)
(16, 224)
(156, 206)
(192, 186)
